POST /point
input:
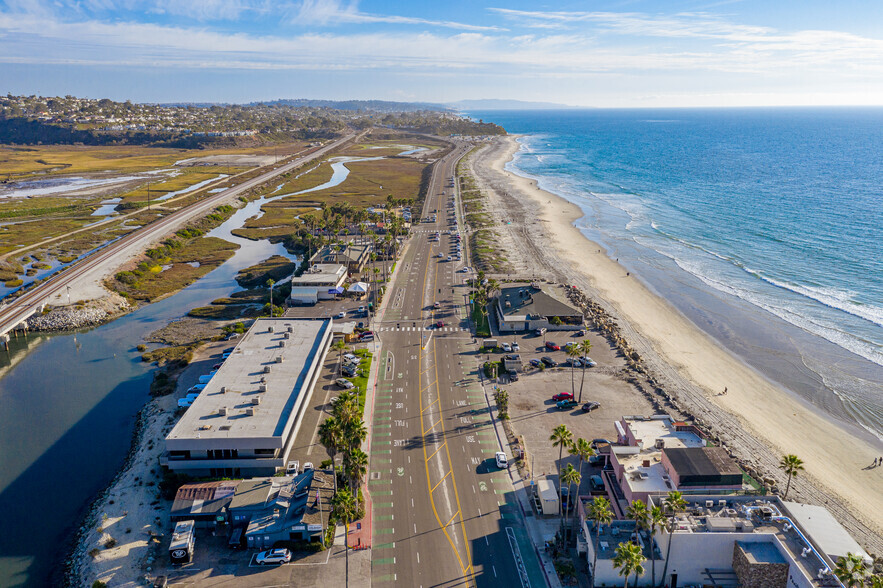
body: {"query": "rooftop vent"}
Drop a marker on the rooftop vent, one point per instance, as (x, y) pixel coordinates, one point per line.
(222, 411)
(722, 504)
(709, 504)
(223, 390)
(249, 411)
(205, 428)
(290, 328)
(282, 343)
(225, 427)
(266, 369)
(287, 335)
(256, 400)
(270, 329)
(262, 388)
(660, 444)
(279, 359)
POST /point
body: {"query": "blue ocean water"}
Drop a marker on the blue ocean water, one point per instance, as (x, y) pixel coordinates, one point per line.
(781, 209)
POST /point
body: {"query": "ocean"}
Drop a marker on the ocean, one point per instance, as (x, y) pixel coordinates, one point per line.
(764, 226)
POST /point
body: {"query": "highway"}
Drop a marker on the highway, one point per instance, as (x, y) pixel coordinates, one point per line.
(19, 309)
(443, 512)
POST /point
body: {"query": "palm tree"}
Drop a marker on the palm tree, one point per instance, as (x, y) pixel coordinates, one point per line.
(356, 466)
(629, 560)
(851, 570)
(876, 581)
(570, 477)
(637, 511)
(599, 512)
(354, 433)
(572, 352)
(791, 464)
(585, 346)
(560, 438)
(345, 507)
(656, 518)
(582, 449)
(673, 503)
(340, 347)
(331, 436)
(270, 283)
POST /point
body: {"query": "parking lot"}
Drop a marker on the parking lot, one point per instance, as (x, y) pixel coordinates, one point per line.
(534, 414)
(331, 309)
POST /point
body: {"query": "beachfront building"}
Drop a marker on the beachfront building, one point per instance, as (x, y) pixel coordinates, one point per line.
(322, 281)
(527, 307)
(245, 420)
(731, 541)
(204, 503)
(353, 256)
(656, 455)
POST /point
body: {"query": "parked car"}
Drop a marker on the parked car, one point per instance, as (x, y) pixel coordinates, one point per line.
(348, 370)
(350, 357)
(513, 376)
(308, 466)
(273, 556)
(597, 482)
(590, 406)
(439, 324)
(596, 459)
(515, 346)
(551, 346)
(549, 361)
(293, 467)
(344, 383)
(502, 461)
(540, 332)
(363, 309)
(341, 314)
(574, 362)
(535, 362)
(562, 396)
(588, 361)
(580, 333)
(366, 335)
(196, 388)
(569, 344)
(565, 404)
(506, 347)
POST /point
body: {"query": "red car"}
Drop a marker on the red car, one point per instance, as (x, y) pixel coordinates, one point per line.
(552, 346)
(439, 324)
(562, 396)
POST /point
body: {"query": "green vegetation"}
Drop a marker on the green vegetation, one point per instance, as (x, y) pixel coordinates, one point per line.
(274, 268)
(179, 353)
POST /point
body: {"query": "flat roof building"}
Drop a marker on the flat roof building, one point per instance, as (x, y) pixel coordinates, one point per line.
(244, 422)
(354, 256)
(322, 281)
(527, 307)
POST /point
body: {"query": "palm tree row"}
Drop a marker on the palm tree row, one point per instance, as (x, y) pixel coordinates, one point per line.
(562, 438)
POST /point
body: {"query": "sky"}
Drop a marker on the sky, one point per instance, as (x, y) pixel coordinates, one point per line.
(592, 53)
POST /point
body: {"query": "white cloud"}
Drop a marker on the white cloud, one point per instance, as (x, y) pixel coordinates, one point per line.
(333, 12)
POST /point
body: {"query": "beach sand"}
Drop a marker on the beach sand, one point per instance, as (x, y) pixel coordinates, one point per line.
(688, 362)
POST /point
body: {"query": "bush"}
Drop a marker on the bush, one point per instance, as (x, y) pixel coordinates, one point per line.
(14, 283)
(94, 553)
(99, 584)
(110, 543)
(141, 347)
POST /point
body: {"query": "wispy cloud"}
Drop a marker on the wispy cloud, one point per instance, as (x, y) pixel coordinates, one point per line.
(333, 12)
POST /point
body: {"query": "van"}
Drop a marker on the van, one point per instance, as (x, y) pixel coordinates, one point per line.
(540, 332)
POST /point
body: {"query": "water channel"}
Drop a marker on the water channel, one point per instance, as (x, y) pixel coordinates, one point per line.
(68, 405)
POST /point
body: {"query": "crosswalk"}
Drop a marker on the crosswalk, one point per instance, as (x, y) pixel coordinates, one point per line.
(422, 329)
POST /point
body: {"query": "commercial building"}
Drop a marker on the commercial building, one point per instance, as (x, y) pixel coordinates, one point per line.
(656, 455)
(353, 256)
(205, 503)
(244, 422)
(322, 281)
(746, 541)
(527, 307)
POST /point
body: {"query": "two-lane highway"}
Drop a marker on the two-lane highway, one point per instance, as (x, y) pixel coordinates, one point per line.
(444, 514)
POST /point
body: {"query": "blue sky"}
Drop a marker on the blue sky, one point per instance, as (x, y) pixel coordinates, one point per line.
(625, 53)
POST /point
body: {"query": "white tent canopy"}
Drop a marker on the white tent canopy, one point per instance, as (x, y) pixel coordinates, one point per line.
(360, 287)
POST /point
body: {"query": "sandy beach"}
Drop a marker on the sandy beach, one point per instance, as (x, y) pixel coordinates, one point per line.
(756, 418)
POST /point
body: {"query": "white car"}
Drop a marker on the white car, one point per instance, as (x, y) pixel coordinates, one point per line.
(506, 347)
(502, 461)
(515, 346)
(308, 466)
(273, 556)
(341, 314)
(344, 383)
(588, 361)
(350, 357)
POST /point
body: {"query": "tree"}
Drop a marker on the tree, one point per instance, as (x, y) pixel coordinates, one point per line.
(599, 512)
(572, 352)
(629, 560)
(851, 570)
(270, 283)
(560, 438)
(345, 507)
(582, 449)
(356, 466)
(340, 347)
(791, 464)
(673, 503)
(585, 346)
(331, 436)
(656, 518)
(570, 477)
(637, 511)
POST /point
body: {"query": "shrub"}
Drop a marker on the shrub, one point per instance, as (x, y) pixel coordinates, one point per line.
(99, 584)
(110, 543)
(94, 553)
(141, 347)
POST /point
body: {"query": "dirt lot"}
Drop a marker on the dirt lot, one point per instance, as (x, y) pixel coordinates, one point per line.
(534, 414)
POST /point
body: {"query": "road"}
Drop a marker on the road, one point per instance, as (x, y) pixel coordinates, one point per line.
(443, 511)
(110, 257)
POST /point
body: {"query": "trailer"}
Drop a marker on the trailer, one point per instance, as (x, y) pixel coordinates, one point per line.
(548, 496)
(181, 547)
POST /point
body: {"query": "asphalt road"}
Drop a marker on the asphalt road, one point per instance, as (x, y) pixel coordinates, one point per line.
(441, 506)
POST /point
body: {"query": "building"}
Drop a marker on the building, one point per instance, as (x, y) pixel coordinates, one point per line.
(322, 281)
(244, 422)
(656, 455)
(527, 307)
(282, 508)
(205, 504)
(353, 256)
(731, 541)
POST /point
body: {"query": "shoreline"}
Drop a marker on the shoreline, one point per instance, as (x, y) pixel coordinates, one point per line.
(679, 347)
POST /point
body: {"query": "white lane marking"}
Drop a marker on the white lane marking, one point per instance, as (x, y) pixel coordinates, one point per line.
(418, 557)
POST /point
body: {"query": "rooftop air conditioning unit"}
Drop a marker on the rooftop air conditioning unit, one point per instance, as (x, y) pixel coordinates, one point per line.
(222, 411)
(709, 504)
(263, 379)
(660, 444)
(722, 504)
(266, 369)
(288, 335)
(270, 329)
(262, 387)
(249, 412)
(256, 400)
(279, 359)
(290, 328)
(282, 343)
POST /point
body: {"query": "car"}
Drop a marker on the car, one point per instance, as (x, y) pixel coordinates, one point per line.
(588, 361)
(515, 346)
(184, 403)
(596, 460)
(502, 461)
(344, 383)
(551, 346)
(549, 361)
(440, 255)
(293, 467)
(569, 344)
(597, 482)
(590, 406)
(565, 404)
(513, 376)
(562, 396)
(535, 362)
(308, 466)
(363, 309)
(436, 305)
(350, 357)
(273, 556)
(367, 337)
(573, 361)
(580, 333)
(348, 370)
(540, 332)
(196, 388)
(506, 347)
(161, 582)
(463, 270)
(341, 314)
(439, 324)
(217, 366)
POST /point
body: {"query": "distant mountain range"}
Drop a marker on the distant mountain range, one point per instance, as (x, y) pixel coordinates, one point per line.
(494, 104)
(356, 105)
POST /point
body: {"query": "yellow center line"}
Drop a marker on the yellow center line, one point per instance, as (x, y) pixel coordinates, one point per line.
(437, 450)
(430, 385)
(440, 481)
(452, 518)
(429, 405)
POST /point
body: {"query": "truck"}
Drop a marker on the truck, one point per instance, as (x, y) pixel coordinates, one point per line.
(489, 343)
(548, 497)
